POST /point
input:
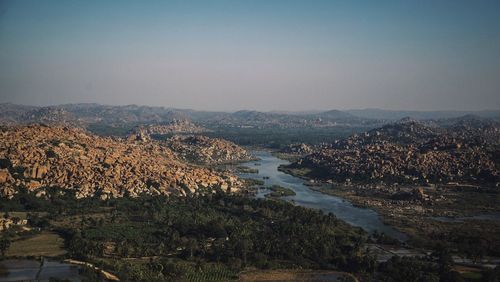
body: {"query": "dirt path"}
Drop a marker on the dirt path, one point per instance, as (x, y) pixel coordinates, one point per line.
(107, 275)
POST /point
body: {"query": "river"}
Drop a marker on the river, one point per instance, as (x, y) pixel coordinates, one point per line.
(365, 218)
(35, 270)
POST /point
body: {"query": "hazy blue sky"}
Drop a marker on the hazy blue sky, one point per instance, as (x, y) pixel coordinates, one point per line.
(264, 55)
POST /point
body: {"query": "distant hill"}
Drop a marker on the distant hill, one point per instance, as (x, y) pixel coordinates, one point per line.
(335, 114)
(83, 115)
(105, 115)
(11, 113)
(396, 115)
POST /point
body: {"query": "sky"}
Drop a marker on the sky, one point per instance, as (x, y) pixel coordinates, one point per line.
(258, 55)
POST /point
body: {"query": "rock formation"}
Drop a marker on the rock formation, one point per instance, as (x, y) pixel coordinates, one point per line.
(409, 152)
(38, 156)
(204, 150)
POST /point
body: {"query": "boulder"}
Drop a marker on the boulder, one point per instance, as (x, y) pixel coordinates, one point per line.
(32, 185)
(4, 175)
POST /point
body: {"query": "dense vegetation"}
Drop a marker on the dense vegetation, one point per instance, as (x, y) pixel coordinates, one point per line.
(216, 233)
(214, 237)
(278, 191)
(277, 137)
(273, 137)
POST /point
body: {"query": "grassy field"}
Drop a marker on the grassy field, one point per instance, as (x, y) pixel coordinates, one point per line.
(44, 244)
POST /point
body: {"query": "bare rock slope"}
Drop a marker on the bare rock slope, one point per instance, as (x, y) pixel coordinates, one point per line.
(204, 150)
(39, 156)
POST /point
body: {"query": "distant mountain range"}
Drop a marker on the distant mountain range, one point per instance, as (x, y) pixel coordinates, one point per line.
(396, 115)
(85, 114)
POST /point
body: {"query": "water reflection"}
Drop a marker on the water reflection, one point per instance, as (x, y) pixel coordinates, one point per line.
(367, 219)
(36, 270)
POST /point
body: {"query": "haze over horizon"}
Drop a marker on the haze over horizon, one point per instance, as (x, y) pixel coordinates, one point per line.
(256, 55)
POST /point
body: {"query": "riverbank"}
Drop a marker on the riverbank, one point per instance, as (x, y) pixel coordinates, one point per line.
(421, 213)
(367, 219)
(105, 274)
(464, 221)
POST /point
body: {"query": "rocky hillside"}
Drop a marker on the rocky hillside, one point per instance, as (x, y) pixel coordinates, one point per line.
(39, 156)
(51, 116)
(413, 153)
(299, 149)
(405, 131)
(204, 150)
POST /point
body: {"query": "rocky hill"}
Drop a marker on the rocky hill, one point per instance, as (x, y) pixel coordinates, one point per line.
(410, 152)
(299, 149)
(204, 150)
(39, 156)
(405, 131)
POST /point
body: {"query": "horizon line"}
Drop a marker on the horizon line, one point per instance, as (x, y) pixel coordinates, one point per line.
(252, 110)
